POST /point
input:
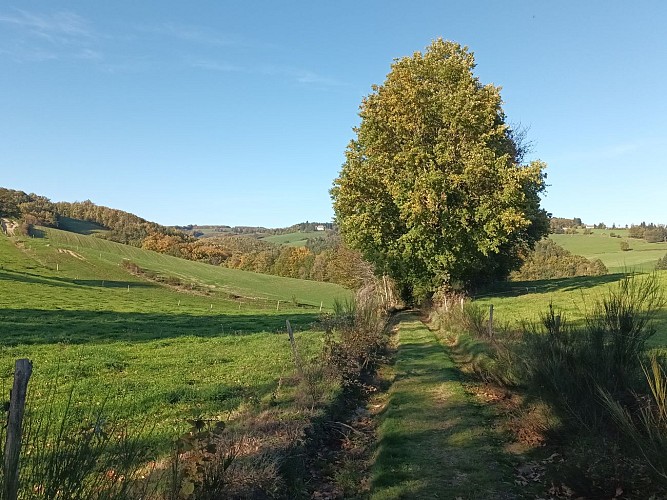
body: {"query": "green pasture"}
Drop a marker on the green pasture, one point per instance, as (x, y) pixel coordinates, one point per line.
(515, 303)
(212, 232)
(608, 231)
(642, 256)
(298, 239)
(144, 351)
(102, 258)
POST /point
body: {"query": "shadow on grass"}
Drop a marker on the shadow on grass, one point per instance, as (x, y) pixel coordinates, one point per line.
(37, 233)
(40, 279)
(37, 326)
(516, 288)
(79, 226)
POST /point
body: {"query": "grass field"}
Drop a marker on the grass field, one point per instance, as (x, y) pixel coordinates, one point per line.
(518, 302)
(298, 239)
(145, 351)
(103, 257)
(642, 256)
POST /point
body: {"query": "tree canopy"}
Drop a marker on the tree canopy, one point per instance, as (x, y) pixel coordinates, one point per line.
(432, 191)
(549, 261)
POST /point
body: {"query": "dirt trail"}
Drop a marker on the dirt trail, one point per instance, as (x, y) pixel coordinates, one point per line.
(435, 440)
(71, 253)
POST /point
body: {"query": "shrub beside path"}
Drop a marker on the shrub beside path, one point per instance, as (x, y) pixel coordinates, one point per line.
(435, 441)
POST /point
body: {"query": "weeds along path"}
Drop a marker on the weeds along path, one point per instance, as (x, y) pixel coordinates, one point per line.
(435, 441)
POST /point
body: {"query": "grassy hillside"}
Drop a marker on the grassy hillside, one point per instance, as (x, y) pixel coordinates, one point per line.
(642, 256)
(297, 239)
(143, 350)
(102, 258)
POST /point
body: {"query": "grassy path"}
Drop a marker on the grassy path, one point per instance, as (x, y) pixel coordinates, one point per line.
(435, 441)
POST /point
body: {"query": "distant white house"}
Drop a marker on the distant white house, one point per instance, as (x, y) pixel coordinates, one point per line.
(320, 228)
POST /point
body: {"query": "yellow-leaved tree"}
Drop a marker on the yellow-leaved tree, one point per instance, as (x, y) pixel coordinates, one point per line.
(433, 191)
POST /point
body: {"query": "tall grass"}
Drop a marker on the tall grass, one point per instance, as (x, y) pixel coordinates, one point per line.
(592, 378)
(356, 340)
(572, 363)
(645, 424)
(465, 326)
(79, 453)
(569, 363)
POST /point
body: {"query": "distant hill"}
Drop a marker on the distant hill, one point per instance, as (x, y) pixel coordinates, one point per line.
(207, 231)
(87, 260)
(109, 223)
(308, 250)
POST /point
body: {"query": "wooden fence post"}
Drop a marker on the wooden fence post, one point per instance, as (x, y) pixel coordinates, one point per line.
(297, 360)
(22, 372)
(490, 326)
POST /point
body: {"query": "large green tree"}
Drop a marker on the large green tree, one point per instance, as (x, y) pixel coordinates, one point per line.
(433, 191)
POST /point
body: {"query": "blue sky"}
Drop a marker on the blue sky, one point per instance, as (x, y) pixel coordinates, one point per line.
(238, 113)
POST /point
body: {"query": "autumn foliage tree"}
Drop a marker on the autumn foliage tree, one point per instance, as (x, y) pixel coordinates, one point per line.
(433, 191)
(549, 260)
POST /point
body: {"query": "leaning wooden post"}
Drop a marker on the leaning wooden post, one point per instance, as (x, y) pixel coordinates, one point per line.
(490, 326)
(22, 372)
(297, 360)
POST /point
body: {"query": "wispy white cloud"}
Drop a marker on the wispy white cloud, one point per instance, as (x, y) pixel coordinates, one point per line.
(297, 75)
(212, 65)
(310, 78)
(89, 54)
(48, 36)
(622, 149)
(189, 33)
(65, 35)
(302, 76)
(28, 54)
(58, 26)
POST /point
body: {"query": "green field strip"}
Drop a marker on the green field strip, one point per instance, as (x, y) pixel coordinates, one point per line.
(434, 440)
(600, 245)
(297, 239)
